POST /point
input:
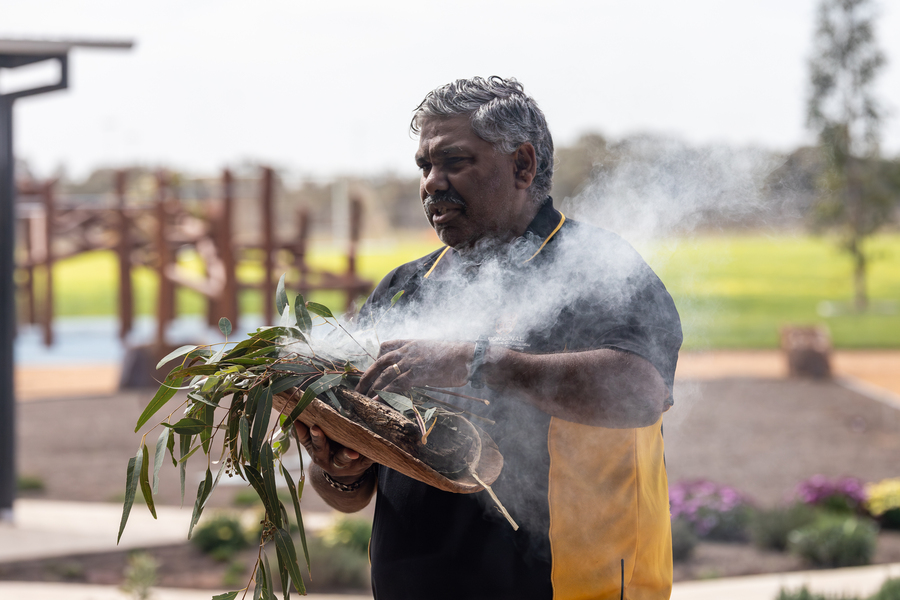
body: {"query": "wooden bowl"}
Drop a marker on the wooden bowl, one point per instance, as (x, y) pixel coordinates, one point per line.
(352, 435)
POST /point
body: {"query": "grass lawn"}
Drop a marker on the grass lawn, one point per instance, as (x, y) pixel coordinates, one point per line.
(732, 291)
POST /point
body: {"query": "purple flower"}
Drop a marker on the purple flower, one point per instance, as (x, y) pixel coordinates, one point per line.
(706, 505)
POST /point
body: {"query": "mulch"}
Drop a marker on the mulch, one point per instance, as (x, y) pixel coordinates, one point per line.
(762, 436)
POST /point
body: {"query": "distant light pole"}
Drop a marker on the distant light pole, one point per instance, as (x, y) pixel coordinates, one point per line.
(18, 53)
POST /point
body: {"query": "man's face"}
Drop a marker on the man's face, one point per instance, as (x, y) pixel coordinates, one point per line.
(469, 191)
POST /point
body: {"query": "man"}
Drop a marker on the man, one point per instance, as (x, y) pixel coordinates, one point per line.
(570, 336)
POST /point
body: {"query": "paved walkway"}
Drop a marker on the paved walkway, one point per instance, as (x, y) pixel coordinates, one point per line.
(45, 528)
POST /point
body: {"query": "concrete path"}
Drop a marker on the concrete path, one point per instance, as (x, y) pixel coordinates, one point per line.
(45, 528)
(54, 591)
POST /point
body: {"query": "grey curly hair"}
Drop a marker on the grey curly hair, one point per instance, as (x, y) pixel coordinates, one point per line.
(501, 114)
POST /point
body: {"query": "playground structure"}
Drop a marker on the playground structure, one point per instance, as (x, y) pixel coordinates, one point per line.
(152, 228)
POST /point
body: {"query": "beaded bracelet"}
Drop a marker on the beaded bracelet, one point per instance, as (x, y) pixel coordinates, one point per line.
(347, 487)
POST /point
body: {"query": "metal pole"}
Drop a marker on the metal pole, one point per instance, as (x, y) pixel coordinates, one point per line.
(7, 313)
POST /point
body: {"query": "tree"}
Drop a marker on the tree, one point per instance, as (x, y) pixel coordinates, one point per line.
(855, 197)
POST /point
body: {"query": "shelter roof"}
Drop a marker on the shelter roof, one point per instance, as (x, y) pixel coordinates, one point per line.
(15, 52)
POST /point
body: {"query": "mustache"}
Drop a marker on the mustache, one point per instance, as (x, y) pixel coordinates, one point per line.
(450, 196)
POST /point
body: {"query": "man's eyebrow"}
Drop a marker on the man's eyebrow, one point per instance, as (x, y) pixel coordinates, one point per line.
(452, 150)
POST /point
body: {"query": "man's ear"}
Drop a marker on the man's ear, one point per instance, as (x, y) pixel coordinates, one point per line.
(525, 163)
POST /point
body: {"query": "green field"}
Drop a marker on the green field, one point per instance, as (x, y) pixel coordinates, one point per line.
(732, 291)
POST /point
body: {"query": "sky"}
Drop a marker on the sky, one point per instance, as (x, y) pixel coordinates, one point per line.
(328, 88)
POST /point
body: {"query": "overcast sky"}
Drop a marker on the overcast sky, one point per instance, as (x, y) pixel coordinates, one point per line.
(328, 87)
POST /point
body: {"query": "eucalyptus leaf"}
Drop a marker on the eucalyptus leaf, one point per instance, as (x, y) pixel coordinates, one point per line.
(227, 595)
(260, 426)
(295, 497)
(215, 482)
(308, 396)
(131, 482)
(304, 321)
(225, 326)
(281, 299)
(334, 401)
(202, 494)
(298, 368)
(267, 470)
(396, 401)
(188, 426)
(319, 309)
(285, 576)
(428, 414)
(245, 438)
(145, 480)
(175, 354)
(164, 436)
(326, 382)
(285, 544)
(268, 590)
(256, 481)
(285, 383)
(163, 395)
(397, 297)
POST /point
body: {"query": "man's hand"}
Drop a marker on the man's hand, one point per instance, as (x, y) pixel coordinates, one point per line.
(403, 364)
(342, 464)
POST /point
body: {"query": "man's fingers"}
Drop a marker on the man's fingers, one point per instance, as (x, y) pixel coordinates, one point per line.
(390, 346)
(343, 458)
(383, 371)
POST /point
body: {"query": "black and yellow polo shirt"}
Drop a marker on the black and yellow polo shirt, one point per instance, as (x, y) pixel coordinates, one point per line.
(591, 502)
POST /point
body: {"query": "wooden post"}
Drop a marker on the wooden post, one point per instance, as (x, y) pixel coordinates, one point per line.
(49, 218)
(30, 260)
(164, 305)
(123, 255)
(353, 242)
(229, 300)
(300, 244)
(268, 244)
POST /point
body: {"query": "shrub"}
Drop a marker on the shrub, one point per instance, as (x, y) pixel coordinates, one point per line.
(844, 495)
(714, 511)
(890, 590)
(221, 537)
(140, 575)
(336, 566)
(349, 532)
(683, 540)
(883, 502)
(836, 541)
(804, 594)
(769, 529)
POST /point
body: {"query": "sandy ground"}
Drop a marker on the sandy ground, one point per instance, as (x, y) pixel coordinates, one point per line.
(880, 368)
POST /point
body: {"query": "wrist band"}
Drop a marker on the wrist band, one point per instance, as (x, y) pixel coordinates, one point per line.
(347, 487)
(476, 377)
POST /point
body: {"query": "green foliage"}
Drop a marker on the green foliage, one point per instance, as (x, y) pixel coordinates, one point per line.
(736, 291)
(770, 529)
(29, 483)
(221, 536)
(337, 566)
(140, 575)
(835, 541)
(890, 590)
(804, 594)
(684, 540)
(349, 532)
(856, 195)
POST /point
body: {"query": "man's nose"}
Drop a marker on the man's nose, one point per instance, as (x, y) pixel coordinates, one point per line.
(434, 181)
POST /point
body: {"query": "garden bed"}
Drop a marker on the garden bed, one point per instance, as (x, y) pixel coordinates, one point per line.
(760, 436)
